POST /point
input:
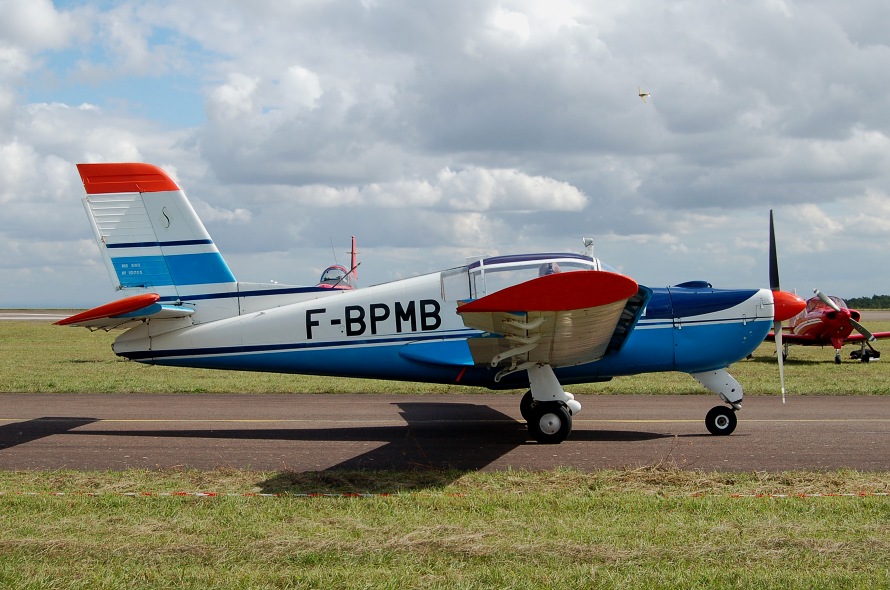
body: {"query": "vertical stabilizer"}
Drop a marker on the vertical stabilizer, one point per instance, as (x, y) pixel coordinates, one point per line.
(150, 236)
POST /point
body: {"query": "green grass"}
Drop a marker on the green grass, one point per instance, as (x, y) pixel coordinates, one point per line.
(39, 357)
(652, 528)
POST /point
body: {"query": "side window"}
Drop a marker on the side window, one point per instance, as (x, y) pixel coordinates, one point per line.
(457, 284)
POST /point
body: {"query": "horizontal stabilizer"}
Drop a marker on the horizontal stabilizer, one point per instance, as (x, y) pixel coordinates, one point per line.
(123, 311)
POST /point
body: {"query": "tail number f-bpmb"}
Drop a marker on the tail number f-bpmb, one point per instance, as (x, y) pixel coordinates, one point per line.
(358, 320)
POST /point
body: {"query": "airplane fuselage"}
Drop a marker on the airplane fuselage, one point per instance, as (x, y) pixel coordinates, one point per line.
(410, 330)
(822, 324)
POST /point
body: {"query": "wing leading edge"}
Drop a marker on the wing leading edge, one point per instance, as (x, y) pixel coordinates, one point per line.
(561, 319)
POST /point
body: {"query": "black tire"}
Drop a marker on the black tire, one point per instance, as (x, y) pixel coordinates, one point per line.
(526, 404)
(549, 422)
(721, 421)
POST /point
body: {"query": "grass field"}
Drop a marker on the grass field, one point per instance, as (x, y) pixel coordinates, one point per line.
(646, 528)
(655, 527)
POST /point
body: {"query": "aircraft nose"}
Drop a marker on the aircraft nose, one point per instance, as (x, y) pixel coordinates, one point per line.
(787, 305)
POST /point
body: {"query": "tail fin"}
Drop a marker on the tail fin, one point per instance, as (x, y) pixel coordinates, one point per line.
(150, 236)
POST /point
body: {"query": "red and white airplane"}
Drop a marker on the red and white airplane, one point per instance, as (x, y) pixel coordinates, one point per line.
(529, 321)
(337, 277)
(827, 321)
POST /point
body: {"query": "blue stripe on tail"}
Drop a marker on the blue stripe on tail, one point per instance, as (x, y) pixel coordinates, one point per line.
(181, 269)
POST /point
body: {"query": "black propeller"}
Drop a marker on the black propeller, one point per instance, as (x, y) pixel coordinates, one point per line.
(774, 286)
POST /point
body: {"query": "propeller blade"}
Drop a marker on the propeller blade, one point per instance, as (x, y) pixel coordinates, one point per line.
(780, 299)
(826, 300)
(777, 329)
(773, 256)
(862, 330)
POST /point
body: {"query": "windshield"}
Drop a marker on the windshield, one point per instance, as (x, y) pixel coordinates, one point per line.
(493, 274)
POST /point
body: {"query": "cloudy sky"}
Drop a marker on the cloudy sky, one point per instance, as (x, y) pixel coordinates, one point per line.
(434, 131)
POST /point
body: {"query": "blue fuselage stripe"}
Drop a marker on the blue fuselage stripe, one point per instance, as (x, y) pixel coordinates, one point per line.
(294, 346)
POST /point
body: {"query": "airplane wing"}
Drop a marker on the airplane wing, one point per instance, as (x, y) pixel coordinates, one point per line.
(860, 337)
(122, 312)
(790, 338)
(560, 319)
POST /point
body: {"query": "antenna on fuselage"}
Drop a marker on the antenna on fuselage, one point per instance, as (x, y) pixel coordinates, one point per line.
(334, 252)
(588, 246)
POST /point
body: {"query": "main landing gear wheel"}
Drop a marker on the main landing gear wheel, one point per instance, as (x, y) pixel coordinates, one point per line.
(549, 422)
(721, 420)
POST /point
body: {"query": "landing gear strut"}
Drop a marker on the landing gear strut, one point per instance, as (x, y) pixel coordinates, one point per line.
(546, 407)
(721, 420)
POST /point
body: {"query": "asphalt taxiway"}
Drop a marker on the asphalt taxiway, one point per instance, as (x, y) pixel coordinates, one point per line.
(304, 432)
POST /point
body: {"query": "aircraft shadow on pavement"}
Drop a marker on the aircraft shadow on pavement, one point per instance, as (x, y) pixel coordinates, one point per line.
(436, 443)
(19, 433)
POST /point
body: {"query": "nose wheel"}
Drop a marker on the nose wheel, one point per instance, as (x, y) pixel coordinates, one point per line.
(721, 420)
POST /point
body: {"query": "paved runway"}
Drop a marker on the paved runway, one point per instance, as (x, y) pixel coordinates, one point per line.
(476, 432)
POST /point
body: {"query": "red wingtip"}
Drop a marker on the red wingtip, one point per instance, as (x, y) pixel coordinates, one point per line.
(787, 305)
(124, 178)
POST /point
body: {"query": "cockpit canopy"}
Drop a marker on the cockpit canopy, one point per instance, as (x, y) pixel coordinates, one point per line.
(335, 277)
(487, 275)
(815, 303)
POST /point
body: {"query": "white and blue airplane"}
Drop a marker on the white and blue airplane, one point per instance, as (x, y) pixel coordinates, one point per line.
(529, 321)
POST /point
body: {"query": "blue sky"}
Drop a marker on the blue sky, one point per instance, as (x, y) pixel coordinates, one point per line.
(438, 131)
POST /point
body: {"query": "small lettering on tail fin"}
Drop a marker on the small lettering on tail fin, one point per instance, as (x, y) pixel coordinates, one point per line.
(149, 234)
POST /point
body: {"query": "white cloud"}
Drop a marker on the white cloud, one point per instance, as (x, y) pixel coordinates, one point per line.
(478, 189)
(299, 87)
(509, 26)
(233, 100)
(210, 214)
(35, 25)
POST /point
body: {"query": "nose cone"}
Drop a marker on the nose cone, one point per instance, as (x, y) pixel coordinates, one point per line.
(787, 305)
